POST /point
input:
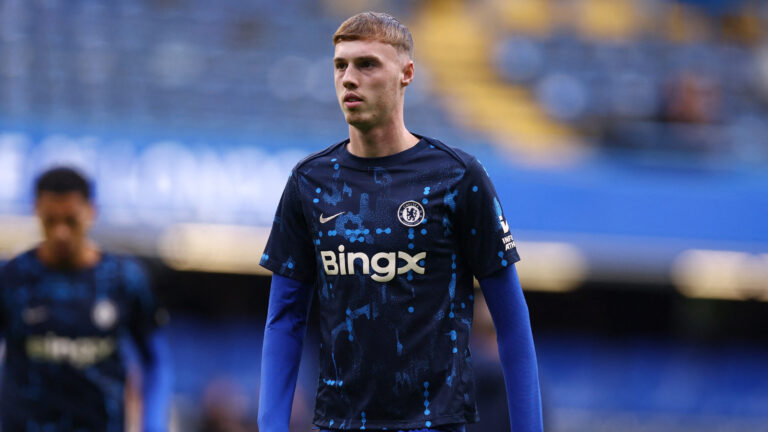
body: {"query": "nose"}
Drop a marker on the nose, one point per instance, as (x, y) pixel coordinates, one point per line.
(61, 233)
(350, 79)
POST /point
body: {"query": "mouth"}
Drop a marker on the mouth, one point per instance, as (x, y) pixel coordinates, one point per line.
(62, 249)
(352, 100)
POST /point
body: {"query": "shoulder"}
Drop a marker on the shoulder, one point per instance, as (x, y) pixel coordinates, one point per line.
(22, 263)
(460, 157)
(128, 269)
(318, 157)
(465, 164)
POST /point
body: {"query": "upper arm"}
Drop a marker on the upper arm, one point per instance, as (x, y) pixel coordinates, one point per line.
(289, 251)
(483, 226)
(506, 302)
(3, 293)
(289, 302)
(145, 316)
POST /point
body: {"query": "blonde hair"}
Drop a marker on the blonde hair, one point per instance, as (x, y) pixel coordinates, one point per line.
(376, 26)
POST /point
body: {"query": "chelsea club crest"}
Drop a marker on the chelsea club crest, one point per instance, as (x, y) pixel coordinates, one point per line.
(410, 213)
(104, 314)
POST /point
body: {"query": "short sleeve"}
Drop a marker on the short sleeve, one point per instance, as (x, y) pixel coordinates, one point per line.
(145, 314)
(289, 251)
(483, 229)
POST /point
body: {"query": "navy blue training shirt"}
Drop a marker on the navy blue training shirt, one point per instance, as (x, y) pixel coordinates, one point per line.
(64, 367)
(391, 245)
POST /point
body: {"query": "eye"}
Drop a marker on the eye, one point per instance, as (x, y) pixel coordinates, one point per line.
(366, 64)
(340, 66)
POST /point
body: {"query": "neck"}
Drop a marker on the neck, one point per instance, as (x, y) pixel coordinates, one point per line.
(380, 141)
(86, 256)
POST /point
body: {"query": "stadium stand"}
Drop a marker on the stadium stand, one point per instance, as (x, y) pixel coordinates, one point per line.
(629, 138)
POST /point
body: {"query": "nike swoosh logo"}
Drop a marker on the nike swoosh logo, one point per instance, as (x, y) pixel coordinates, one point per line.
(504, 224)
(35, 315)
(326, 219)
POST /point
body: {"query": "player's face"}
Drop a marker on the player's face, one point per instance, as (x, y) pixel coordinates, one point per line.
(370, 79)
(65, 219)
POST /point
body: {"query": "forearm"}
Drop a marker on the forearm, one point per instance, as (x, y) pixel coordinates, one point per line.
(281, 353)
(506, 303)
(522, 382)
(156, 383)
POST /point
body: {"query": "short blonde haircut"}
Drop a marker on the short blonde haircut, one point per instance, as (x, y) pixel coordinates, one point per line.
(376, 26)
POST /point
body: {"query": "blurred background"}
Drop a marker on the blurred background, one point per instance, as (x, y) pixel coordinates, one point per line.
(628, 141)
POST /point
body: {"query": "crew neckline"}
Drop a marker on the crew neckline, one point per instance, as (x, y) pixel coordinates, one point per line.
(72, 271)
(390, 160)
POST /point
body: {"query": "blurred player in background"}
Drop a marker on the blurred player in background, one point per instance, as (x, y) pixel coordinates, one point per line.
(65, 308)
(387, 230)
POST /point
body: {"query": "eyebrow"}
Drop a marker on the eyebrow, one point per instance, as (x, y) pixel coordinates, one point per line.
(361, 58)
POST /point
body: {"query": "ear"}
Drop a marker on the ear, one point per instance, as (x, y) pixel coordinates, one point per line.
(408, 73)
(91, 213)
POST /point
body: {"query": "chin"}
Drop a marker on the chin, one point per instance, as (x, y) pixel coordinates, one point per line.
(63, 253)
(358, 122)
(63, 262)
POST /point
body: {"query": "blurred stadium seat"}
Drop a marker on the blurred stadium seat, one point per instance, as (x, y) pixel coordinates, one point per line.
(629, 139)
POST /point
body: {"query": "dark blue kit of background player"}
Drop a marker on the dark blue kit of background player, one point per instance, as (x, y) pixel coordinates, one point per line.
(392, 244)
(64, 368)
